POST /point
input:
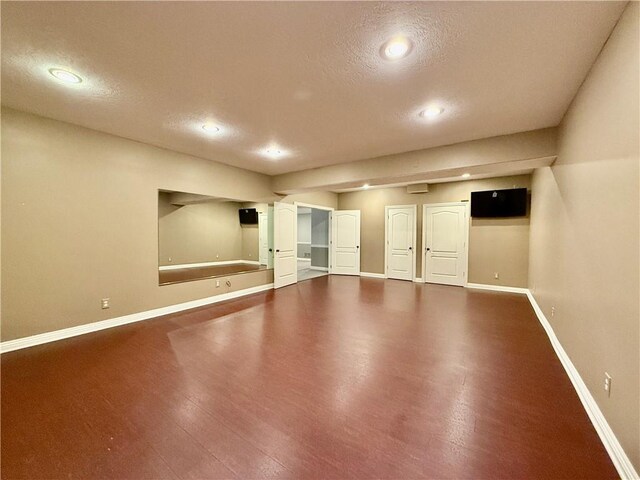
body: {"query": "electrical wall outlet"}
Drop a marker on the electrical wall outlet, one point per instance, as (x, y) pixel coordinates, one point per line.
(105, 303)
(496, 275)
(169, 259)
(217, 256)
(217, 283)
(553, 311)
(607, 384)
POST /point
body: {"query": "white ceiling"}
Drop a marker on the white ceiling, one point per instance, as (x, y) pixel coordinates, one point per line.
(307, 76)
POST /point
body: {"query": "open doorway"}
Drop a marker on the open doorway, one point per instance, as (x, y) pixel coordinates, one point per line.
(313, 242)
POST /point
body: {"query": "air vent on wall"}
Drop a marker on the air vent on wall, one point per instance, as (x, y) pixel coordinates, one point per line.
(418, 188)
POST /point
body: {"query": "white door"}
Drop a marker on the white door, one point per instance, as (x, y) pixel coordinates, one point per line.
(400, 248)
(345, 242)
(285, 268)
(445, 243)
(263, 237)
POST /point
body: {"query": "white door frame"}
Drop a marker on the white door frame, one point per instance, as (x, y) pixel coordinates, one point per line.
(386, 236)
(270, 223)
(327, 209)
(317, 207)
(261, 233)
(467, 206)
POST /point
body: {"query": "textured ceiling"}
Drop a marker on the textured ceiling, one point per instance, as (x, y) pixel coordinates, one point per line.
(307, 76)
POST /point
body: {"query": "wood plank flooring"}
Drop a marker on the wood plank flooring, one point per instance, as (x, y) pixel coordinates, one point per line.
(336, 377)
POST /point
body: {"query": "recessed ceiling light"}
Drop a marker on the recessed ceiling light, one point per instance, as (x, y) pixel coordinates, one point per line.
(65, 76)
(396, 48)
(365, 186)
(432, 111)
(466, 175)
(273, 152)
(210, 128)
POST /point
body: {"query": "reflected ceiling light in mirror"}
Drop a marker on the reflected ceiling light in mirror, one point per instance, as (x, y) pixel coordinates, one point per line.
(396, 48)
(466, 175)
(365, 186)
(65, 76)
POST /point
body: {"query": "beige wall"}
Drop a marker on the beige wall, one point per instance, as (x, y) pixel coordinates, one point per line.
(585, 235)
(201, 232)
(495, 245)
(80, 223)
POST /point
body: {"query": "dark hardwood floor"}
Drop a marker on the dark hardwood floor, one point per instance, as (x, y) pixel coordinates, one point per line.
(336, 377)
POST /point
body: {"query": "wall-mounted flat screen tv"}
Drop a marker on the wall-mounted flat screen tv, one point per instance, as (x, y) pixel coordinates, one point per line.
(248, 216)
(499, 203)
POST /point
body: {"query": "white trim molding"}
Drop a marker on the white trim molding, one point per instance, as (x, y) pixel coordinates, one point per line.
(497, 288)
(611, 444)
(206, 264)
(320, 269)
(418, 280)
(47, 337)
(372, 275)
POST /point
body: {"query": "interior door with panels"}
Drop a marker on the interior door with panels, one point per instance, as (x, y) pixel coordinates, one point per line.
(345, 242)
(285, 263)
(445, 243)
(400, 244)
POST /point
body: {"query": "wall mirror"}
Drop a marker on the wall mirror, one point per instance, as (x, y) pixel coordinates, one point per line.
(201, 236)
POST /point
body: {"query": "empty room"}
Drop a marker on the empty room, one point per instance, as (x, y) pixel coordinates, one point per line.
(320, 240)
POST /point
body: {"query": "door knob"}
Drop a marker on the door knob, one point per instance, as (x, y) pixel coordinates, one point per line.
(428, 249)
(277, 251)
(410, 248)
(357, 246)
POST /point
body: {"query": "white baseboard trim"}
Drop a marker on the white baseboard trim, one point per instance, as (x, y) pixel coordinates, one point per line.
(47, 337)
(321, 269)
(206, 264)
(372, 275)
(611, 444)
(497, 288)
(418, 280)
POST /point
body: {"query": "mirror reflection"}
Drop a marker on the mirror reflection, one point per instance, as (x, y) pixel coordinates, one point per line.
(201, 236)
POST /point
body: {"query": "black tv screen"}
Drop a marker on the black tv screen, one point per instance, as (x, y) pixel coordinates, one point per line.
(248, 216)
(499, 203)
